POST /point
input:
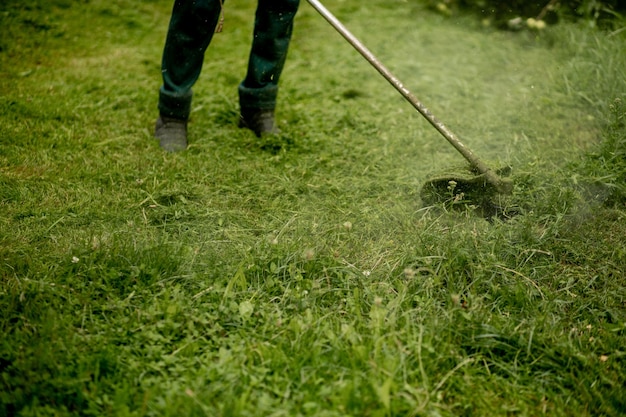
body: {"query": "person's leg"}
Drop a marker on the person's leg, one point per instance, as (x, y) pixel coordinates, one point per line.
(190, 31)
(189, 34)
(258, 91)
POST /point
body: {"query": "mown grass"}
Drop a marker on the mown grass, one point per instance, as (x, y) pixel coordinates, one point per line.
(301, 274)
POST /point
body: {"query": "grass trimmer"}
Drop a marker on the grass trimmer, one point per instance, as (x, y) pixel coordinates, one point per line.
(482, 182)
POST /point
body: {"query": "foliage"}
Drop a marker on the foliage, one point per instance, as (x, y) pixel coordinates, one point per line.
(515, 14)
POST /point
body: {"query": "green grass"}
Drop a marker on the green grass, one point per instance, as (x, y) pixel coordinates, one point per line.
(301, 274)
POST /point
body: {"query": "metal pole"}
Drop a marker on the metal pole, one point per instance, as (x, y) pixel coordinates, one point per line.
(490, 176)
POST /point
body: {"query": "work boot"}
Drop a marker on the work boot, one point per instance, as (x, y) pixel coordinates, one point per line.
(171, 133)
(259, 121)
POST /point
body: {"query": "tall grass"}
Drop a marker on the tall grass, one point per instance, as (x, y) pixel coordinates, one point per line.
(301, 274)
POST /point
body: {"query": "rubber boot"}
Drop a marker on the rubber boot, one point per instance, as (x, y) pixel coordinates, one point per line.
(171, 133)
(259, 121)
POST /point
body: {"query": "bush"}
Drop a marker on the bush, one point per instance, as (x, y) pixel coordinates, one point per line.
(515, 14)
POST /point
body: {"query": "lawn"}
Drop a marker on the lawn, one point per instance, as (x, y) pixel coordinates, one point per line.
(302, 274)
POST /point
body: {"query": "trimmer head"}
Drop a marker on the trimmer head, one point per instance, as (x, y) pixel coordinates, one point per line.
(464, 187)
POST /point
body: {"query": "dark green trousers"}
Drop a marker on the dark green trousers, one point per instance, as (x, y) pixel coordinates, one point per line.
(190, 32)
